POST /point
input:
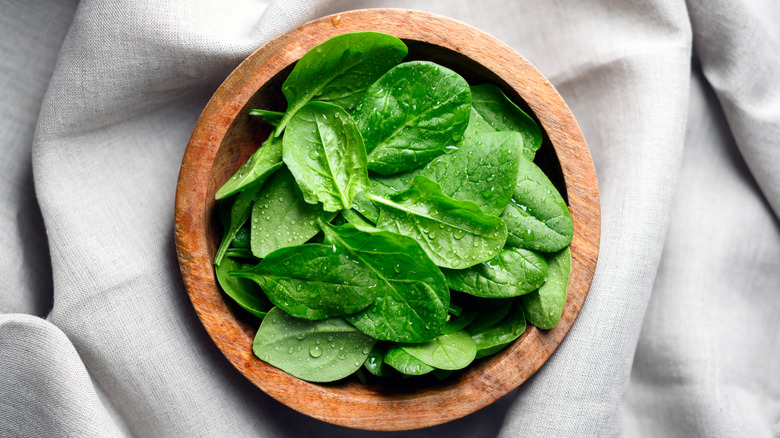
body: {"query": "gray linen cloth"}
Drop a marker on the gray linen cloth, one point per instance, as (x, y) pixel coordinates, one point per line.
(680, 105)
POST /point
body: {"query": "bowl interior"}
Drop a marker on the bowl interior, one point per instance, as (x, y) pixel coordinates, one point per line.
(226, 136)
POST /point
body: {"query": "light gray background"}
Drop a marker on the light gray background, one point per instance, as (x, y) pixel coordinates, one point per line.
(680, 105)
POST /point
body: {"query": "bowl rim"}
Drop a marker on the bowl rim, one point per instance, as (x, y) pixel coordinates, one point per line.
(349, 405)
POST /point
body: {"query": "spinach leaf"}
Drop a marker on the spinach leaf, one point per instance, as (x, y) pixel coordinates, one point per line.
(489, 312)
(544, 307)
(457, 323)
(451, 351)
(240, 210)
(537, 217)
(477, 125)
(265, 161)
(382, 185)
(339, 70)
(272, 117)
(412, 114)
(514, 272)
(490, 340)
(375, 362)
(405, 363)
(280, 217)
(314, 281)
(412, 294)
(242, 238)
(454, 234)
(482, 170)
(242, 291)
(325, 153)
(316, 351)
(503, 115)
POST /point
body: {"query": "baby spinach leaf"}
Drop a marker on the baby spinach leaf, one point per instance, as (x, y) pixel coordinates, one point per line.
(412, 114)
(240, 210)
(325, 153)
(314, 281)
(280, 217)
(482, 170)
(537, 217)
(412, 294)
(381, 185)
(405, 363)
(242, 291)
(242, 238)
(339, 70)
(454, 234)
(544, 307)
(375, 362)
(491, 340)
(489, 312)
(459, 322)
(272, 117)
(503, 115)
(477, 125)
(451, 351)
(316, 351)
(265, 161)
(514, 272)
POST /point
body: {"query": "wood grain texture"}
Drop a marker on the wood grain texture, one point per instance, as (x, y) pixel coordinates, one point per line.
(225, 136)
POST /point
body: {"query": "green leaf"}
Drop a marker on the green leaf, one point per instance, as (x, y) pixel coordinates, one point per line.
(375, 362)
(490, 340)
(244, 292)
(482, 170)
(240, 210)
(452, 351)
(339, 70)
(412, 294)
(412, 114)
(280, 217)
(489, 312)
(325, 153)
(514, 272)
(454, 234)
(265, 161)
(537, 217)
(477, 125)
(503, 115)
(405, 363)
(544, 307)
(272, 117)
(316, 351)
(381, 185)
(314, 281)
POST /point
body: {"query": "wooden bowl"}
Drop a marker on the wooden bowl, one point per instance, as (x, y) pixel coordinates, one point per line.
(225, 136)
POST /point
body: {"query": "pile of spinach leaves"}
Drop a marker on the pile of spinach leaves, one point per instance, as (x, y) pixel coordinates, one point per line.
(395, 220)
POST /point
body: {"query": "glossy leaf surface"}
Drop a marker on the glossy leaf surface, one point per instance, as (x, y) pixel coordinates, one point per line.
(537, 217)
(544, 307)
(265, 161)
(503, 115)
(405, 363)
(316, 351)
(455, 234)
(482, 170)
(514, 272)
(339, 70)
(325, 153)
(412, 294)
(411, 115)
(280, 216)
(244, 292)
(451, 351)
(314, 281)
